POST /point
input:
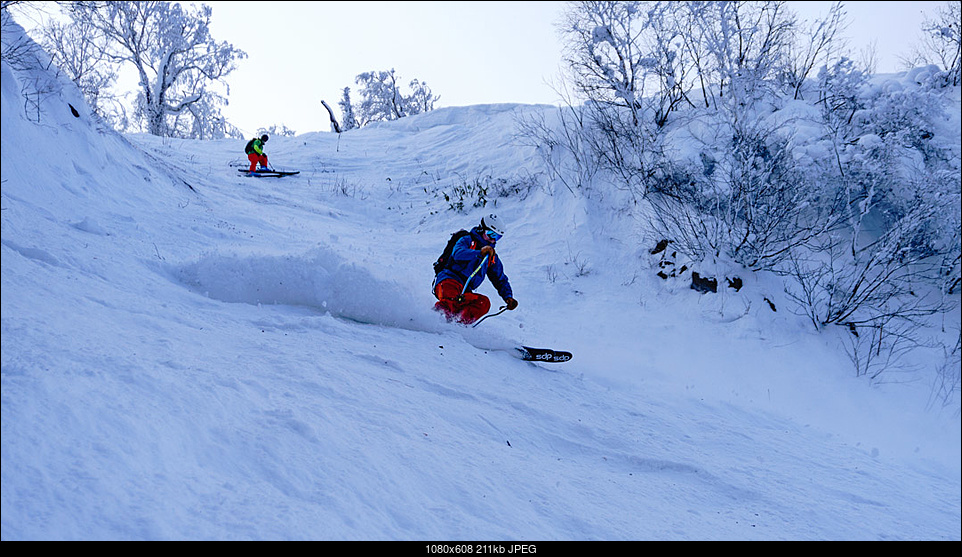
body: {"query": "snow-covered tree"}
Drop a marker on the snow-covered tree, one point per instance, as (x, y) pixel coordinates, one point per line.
(176, 59)
(628, 54)
(348, 120)
(380, 97)
(79, 50)
(275, 130)
(18, 50)
(817, 46)
(383, 100)
(942, 43)
(202, 119)
(421, 99)
(743, 47)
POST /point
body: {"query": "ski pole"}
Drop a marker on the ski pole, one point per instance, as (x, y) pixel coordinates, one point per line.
(503, 309)
(465, 289)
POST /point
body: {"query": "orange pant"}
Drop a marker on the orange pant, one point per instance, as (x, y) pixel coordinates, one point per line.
(255, 158)
(464, 309)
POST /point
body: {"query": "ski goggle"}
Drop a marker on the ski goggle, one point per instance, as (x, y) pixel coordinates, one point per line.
(494, 236)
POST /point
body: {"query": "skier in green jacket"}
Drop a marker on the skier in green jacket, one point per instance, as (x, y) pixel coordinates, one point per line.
(255, 152)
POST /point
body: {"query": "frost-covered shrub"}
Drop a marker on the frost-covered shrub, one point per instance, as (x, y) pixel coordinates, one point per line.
(845, 184)
(893, 256)
(839, 90)
(744, 201)
(482, 190)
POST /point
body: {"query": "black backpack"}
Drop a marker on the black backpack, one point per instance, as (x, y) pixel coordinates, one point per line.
(443, 261)
(250, 147)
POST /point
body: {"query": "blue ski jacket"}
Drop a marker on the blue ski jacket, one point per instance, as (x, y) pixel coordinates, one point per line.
(465, 258)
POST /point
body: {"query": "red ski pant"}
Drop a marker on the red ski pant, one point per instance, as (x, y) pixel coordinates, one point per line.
(464, 309)
(255, 158)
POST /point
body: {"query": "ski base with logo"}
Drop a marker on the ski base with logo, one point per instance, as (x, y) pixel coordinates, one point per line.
(546, 355)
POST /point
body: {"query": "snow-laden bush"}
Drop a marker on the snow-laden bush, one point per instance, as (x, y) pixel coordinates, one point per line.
(845, 185)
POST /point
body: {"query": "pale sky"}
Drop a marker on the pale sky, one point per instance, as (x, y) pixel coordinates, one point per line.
(468, 53)
(302, 52)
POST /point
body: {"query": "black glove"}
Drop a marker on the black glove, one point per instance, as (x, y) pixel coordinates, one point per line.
(512, 303)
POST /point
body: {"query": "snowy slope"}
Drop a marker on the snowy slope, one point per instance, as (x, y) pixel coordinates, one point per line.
(189, 353)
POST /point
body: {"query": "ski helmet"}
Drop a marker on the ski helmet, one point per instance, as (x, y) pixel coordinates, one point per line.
(264, 137)
(493, 223)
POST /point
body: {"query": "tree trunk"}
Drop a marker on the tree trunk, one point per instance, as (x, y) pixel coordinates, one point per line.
(330, 113)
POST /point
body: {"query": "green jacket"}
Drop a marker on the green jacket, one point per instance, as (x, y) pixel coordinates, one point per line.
(255, 146)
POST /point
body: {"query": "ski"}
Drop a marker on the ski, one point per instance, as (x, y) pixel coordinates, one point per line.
(548, 355)
(269, 173)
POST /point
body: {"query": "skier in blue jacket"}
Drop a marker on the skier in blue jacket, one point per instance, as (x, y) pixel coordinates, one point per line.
(469, 254)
